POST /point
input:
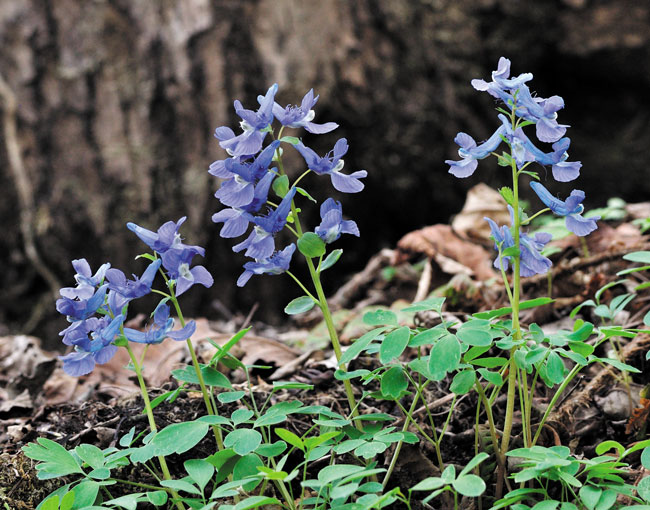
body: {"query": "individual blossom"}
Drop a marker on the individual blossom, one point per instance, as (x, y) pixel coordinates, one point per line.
(302, 116)
(531, 260)
(86, 281)
(136, 288)
(543, 112)
(93, 341)
(81, 307)
(332, 223)
(177, 263)
(571, 208)
(260, 244)
(331, 164)
(275, 264)
(236, 219)
(239, 190)
(165, 238)
(470, 152)
(502, 85)
(254, 124)
(160, 329)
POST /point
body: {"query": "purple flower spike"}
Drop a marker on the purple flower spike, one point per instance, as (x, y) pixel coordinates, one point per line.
(160, 329)
(276, 264)
(331, 164)
(571, 208)
(302, 116)
(333, 224)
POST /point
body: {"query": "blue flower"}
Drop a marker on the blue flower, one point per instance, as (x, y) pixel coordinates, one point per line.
(239, 190)
(501, 83)
(333, 224)
(571, 208)
(531, 260)
(331, 164)
(470, 152)
(302, 116)
(93, 344)
(543, 112)
(136, 288)
(177, 263)
(236, 219)
(86, 281)
(276, 264)
(81, 307)
(254, 125)
(260, 244)
(160, 329)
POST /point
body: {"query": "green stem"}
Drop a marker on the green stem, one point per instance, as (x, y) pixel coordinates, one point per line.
(143, 485)
(531, 218)
(197, 368)
(152, 422)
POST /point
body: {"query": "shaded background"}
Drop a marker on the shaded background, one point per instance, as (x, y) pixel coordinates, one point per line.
(117, 101)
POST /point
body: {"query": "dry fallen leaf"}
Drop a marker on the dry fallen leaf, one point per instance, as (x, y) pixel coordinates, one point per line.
(481, 201)
(453, 254)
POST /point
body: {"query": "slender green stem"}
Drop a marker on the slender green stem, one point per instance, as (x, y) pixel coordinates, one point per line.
(152, 422)
(197, 368)
(531, 218)
(143, 485)
(304, 289)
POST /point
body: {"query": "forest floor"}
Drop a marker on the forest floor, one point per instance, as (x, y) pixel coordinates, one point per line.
(37, 399)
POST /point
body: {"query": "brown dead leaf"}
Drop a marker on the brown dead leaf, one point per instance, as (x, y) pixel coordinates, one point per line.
(639, 417)
(481, 201)
(453, 254)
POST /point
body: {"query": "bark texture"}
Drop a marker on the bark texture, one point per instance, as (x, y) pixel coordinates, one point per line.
(117, 101)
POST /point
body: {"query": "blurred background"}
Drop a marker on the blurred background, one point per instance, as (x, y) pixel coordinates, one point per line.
(109, 107)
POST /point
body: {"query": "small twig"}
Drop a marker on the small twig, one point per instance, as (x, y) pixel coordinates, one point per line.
(425, 282)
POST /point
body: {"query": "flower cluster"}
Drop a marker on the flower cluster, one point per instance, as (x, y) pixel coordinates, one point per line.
(97, 306)
(252, 170)
(526, 109)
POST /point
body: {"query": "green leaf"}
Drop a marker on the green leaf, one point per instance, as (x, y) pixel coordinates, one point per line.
(491, 377)
(644, 488)
(271, 449)
(130, 501)
(360, 345)
(331, 259)
(524, 305)
(304, 193)
(507, 194)
(638, 256)
(478, 458)
(211, 376)
(290, 139)
(476, 337)
(370, 449)
(178, 437)
(181, 485)
(434, 303)
(393, 344)
(429, 484)
(290, 438)
(589, 496)
(623, 367)
(554, 368)
(200, 471)
(55, 460)
(291, 385)
(311, 245)
(243, 441)
(463, 382)
(426, 337)
(245, 467)
(337, 472)
(301, 304)
(281, 185)
(157, 498)
(91, 455)
(255, 502)
(393, 382)
(645, 458)
(380, 318)
(469, 485)
(127, 438)
(230, 396)
(240, 416)
(85, 494)
(444, 357)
